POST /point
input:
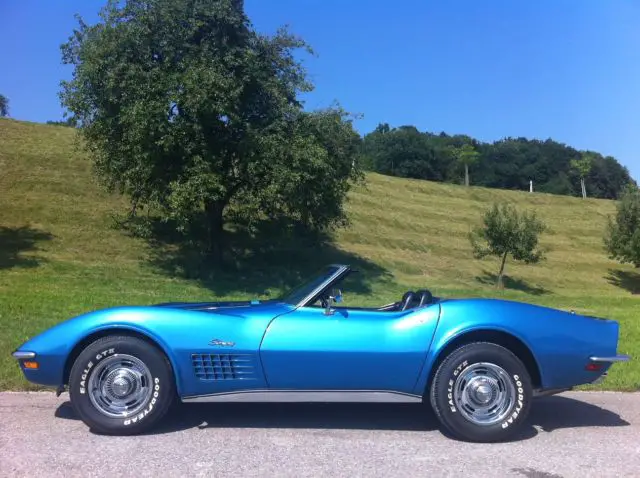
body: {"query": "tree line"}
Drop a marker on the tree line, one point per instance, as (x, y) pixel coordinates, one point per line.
(509, 163)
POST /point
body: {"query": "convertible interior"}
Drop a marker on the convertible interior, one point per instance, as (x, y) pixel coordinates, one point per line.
(410, 300)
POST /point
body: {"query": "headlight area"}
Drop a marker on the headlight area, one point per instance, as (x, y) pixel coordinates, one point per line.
(26, 359)
(40, 369)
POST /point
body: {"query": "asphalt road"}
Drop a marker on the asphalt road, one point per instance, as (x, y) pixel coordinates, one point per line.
(574, 434)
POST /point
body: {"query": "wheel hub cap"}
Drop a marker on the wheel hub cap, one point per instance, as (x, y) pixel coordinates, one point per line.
(484, 393)
(120, 385)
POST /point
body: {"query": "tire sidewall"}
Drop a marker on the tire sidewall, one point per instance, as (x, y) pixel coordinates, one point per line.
(156, 404)
(442, 396)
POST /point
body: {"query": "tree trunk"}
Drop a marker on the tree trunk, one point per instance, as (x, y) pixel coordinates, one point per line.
(466, 174)
(215, 232)
(500, 274)
(584, 190)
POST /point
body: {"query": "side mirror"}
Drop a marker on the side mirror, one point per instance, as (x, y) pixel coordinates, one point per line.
(334, 298)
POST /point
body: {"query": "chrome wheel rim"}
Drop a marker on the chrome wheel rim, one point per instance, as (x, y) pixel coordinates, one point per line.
(484, 393)
(120, 385)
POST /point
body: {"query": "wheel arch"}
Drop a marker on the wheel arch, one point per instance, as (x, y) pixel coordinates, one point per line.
(80, 345)
(495, 336)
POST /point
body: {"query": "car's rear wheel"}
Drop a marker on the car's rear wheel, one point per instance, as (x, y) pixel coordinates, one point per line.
(121, 385)
(481, 392)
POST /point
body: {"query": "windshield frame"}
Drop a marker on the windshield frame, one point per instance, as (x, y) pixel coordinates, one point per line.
(308, 290)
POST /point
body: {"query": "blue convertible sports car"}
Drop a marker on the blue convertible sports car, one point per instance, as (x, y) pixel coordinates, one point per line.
(477, 362)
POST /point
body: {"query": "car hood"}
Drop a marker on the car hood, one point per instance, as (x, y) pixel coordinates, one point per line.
(221, 305)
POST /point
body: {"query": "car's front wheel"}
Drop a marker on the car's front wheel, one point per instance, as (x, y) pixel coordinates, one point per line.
(121, 385)
(481, 392)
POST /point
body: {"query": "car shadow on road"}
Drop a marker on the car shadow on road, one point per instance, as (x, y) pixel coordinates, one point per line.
(547, 414)
(558, 412)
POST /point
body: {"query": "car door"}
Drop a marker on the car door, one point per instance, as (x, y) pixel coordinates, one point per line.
(352, 349)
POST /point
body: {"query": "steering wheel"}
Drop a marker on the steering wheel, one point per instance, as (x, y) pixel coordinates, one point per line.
(407, 299)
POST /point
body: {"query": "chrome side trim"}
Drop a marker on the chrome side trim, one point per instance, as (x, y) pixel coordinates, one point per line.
(339, 396)
(539, 392)
(18, 355)
(617, 358)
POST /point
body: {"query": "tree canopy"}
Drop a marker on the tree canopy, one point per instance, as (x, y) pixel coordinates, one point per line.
(4, 106)
(466, 155)
(509, 163)
(622, 236)
(185, 108)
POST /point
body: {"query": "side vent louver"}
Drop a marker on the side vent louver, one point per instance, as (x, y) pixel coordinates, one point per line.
(223, 366)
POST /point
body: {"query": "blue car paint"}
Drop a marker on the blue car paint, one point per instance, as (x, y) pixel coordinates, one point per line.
(300, 348)
(561, 342)
(178, 332)
(349, 350)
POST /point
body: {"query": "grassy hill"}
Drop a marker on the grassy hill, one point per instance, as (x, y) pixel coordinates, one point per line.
(60, 255)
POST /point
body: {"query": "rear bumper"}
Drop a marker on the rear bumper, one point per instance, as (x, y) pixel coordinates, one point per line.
(608, 361)
(613, 359)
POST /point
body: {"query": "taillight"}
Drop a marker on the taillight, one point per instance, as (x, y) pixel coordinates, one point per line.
(593, 367)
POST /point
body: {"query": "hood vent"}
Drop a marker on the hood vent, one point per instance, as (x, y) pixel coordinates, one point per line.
(213, 367)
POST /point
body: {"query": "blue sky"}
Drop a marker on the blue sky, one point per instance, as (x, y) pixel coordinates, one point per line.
(562, 69)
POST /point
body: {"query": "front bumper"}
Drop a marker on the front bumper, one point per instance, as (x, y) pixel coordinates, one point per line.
(48, 370)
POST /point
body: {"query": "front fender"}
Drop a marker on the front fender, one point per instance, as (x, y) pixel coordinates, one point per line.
(178, 332)
(54, 345)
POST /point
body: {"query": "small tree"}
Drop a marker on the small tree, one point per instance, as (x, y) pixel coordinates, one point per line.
(4, 106)
(583, 166)
(466, 155)
(507, 231)
(622, 236)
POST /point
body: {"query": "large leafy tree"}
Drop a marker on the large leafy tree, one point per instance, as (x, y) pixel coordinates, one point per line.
(186, 108)
(622, 236)
(4, 106)
(506, 231)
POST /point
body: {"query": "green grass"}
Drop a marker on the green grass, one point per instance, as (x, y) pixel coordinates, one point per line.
(59, 255)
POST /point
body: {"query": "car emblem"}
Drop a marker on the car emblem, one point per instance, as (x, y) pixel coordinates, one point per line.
(221, 343)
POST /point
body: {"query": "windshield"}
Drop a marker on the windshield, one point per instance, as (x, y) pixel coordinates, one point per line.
(301, 291)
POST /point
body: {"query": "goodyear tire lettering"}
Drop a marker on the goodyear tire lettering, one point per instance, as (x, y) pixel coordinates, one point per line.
(152, 403)
(85, 372)
(519, 404)
(456, 372)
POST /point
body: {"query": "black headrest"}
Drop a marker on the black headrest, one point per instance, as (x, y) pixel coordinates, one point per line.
(406, 295)
(425, 296)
